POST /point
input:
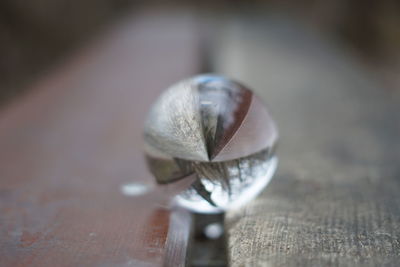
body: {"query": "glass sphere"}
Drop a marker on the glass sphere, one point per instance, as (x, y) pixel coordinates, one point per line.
(216, 132)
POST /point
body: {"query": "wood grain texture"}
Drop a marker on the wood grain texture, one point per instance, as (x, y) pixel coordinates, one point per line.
(71, 151)
(335, 199)
(69, 145)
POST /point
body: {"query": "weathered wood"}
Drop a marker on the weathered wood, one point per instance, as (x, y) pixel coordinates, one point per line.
(335, 199)
(71, 151)
(72, 147)
(178, 238)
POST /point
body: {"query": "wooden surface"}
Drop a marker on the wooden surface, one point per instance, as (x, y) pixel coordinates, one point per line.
(335, 199)
(71, 157)
(71, 151)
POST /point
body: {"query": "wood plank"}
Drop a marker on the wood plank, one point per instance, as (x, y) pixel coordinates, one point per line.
(71, 151)
(335, 199)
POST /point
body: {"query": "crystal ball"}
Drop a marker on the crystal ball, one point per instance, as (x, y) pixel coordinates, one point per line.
(216, 132)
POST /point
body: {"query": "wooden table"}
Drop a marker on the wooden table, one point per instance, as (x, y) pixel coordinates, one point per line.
(71, 151)
(335, 199)
(75, 191)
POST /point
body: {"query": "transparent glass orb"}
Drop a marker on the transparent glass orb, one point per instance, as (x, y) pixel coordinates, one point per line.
(217, 133)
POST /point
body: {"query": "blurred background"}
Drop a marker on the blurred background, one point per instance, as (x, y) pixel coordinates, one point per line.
(77, 77)
(36, 35)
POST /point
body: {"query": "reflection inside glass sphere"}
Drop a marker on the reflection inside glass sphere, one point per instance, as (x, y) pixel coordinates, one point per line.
(224, 185)
(219, 185)
(216, 132)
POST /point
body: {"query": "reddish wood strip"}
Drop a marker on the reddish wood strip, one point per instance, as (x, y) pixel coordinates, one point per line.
(71, 144)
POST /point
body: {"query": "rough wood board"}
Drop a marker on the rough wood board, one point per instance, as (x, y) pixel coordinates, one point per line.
(69, 146)
(335, 199)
